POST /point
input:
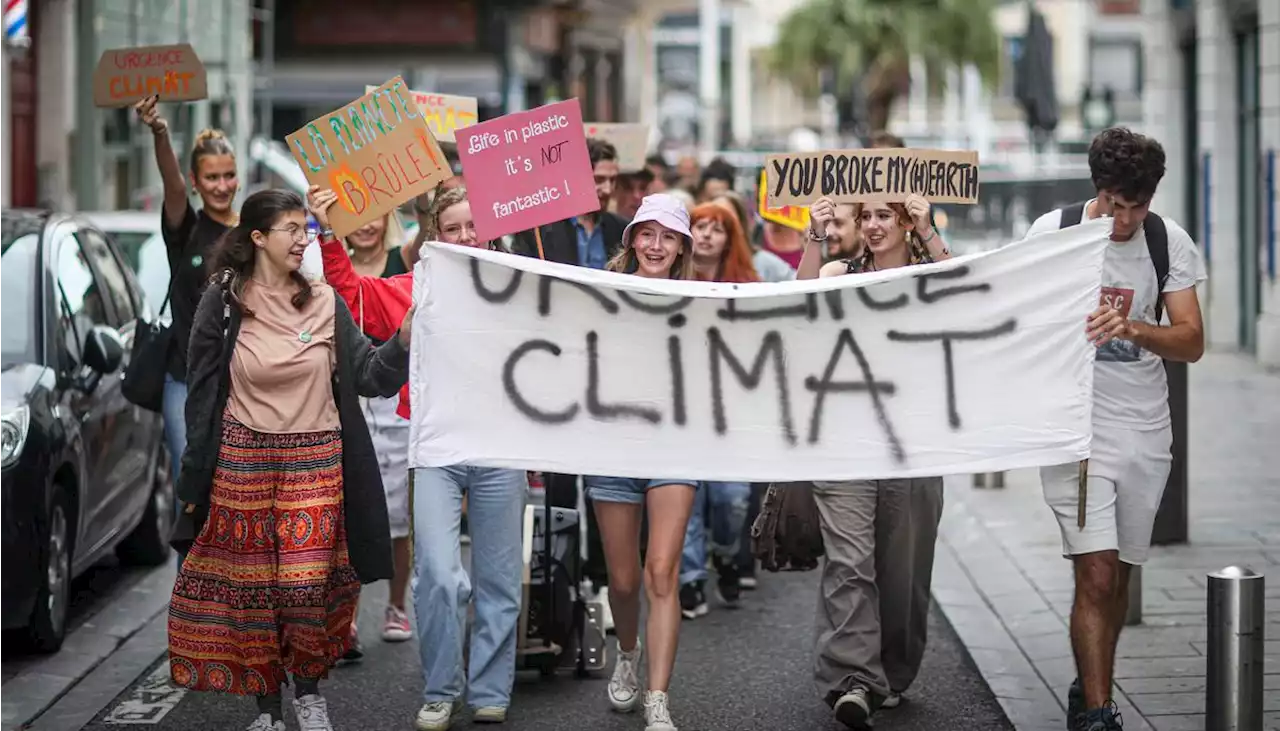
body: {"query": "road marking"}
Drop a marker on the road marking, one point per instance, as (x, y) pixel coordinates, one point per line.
(150, 703)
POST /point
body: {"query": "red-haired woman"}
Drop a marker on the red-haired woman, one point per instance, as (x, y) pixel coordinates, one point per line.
(720, 254)
(720, 250)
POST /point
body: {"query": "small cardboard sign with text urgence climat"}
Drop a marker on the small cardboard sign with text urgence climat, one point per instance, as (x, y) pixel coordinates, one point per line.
(125, 76)
(881, 175)
(376, 153)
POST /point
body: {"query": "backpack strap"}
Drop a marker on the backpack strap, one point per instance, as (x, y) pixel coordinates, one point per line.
(1072, 214)
(1157, 235)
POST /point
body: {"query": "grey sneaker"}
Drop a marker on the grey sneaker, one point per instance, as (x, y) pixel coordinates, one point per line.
(1075, 705)
(893, 700)
(436, 715)
(1106, 718)
(624, 686)
(853, 709)
(657, 712)
(313, 713)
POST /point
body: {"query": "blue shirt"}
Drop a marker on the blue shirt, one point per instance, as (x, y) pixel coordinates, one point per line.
(590, 246)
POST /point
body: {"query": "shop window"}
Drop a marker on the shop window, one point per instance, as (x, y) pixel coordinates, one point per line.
(1116, 63)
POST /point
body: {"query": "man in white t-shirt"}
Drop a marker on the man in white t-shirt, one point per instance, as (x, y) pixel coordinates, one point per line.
(1130, 460)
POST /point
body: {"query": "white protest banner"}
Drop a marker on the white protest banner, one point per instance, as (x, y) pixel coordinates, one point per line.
(977, 364)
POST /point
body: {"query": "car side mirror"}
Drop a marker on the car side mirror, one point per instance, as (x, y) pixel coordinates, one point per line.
(103, 350)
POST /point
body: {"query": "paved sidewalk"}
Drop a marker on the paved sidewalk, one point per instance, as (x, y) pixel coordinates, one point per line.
(1004, 586)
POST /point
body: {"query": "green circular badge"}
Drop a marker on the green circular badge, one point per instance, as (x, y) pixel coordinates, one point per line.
(305, 336)
(197, 260)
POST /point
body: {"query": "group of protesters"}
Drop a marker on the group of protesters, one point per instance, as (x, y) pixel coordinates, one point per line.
(287, 401)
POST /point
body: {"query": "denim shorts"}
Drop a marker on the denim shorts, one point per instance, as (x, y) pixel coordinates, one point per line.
(625, 489)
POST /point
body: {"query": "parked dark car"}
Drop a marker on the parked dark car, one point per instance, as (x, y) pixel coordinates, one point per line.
(84, 471)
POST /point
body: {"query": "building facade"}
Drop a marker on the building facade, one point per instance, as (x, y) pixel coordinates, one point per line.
(1213, 73)
(68, 154)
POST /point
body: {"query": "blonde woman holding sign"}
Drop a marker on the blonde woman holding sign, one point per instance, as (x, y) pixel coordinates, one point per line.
(879, 535)
(656, 244)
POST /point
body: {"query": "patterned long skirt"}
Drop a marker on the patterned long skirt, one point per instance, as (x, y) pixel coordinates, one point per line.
(267, 588)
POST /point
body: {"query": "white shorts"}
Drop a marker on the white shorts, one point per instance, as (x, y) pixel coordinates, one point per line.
(1128, 470)
(390, 434)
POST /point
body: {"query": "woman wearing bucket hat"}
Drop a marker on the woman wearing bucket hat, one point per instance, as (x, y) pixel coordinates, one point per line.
(656, 244)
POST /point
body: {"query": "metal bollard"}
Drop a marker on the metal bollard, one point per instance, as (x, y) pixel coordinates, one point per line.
(1233, 670)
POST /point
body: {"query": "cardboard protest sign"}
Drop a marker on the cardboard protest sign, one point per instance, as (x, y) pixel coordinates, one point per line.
(631, 141)
(527, 169)
(796, 217)
(444, 113)
(861, 176)
(974, 364)
(126, 76)
(376, 153)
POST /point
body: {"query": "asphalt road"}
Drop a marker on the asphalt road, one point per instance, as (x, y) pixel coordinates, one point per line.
(738, 669)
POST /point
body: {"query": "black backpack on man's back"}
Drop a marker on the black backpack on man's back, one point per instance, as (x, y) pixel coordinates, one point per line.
(1157, 246)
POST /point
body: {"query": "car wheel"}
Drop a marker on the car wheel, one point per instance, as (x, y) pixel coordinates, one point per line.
(148, 544)
(48, 624)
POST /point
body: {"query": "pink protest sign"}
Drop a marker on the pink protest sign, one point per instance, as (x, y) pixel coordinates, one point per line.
(527, 169)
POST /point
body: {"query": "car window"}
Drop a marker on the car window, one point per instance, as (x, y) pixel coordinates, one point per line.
(82, 304)
(18, 328)
(114, 284)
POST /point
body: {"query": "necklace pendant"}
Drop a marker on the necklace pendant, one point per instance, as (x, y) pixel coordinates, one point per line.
(305, 336)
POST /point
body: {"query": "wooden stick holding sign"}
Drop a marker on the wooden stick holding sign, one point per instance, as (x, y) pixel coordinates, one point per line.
(376, 153)
(880, 175)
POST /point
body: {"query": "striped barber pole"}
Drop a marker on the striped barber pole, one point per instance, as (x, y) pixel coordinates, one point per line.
(15, 23)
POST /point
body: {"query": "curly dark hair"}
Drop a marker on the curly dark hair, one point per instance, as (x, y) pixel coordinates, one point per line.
(233, 256)
(1126, 164)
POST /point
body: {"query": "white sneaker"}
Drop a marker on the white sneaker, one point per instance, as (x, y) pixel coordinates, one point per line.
(490, 714)
(436, 715)
(264, 723)
(624, 686)
(313, 713)
(657, 715)
(893, 700)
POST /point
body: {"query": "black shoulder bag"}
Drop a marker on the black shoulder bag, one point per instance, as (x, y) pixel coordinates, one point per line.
(143, 382)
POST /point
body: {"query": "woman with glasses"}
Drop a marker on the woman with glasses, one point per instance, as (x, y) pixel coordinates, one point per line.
(280, 457)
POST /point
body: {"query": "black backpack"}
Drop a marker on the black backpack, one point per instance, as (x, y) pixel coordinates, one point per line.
(1157, 246)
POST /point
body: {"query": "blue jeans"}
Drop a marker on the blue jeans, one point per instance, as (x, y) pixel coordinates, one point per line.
(728, 504)
(173, 408)
(442, 590)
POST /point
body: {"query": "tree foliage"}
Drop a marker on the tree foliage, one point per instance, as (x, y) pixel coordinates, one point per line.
(871, 43)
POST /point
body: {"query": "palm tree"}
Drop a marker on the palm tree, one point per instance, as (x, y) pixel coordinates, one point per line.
(871, 43)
